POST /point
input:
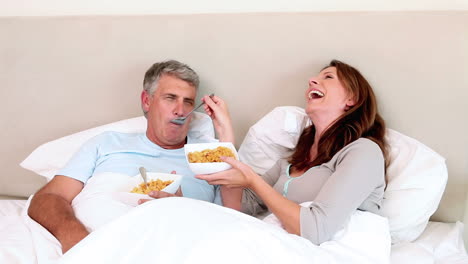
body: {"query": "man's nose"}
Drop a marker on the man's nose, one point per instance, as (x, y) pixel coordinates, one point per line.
(179, 109)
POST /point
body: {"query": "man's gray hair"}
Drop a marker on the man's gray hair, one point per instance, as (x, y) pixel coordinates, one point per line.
(171, 67)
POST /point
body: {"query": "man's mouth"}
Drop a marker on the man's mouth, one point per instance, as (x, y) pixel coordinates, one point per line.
(175, 124)
(315, 94)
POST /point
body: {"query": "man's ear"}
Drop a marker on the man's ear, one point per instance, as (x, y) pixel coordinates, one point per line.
(145, 101)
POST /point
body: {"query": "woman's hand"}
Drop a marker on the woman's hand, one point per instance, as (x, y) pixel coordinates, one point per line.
(217, 109)
(241, 175)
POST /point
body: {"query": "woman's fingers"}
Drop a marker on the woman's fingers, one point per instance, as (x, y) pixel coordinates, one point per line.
(213, 179)
(236, 164)
(232, 161)
(231, 177)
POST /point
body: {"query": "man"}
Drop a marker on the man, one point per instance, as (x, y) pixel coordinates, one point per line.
(169, 91)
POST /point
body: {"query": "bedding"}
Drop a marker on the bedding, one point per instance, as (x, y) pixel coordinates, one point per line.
(193, 220)
(365, 239)
(440, 243)
(202, 236)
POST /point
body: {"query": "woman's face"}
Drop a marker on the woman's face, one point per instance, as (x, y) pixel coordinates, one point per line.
(326, 96)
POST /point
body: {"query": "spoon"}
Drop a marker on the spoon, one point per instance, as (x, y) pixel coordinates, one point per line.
(143, 175)
(181, 120)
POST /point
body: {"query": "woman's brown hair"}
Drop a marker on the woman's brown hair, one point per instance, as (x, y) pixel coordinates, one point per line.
(361, 120)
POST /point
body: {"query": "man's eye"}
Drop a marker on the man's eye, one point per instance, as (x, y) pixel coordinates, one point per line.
(189, 103)
(328, 77)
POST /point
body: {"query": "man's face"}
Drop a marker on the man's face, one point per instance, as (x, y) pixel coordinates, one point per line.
(173, 98)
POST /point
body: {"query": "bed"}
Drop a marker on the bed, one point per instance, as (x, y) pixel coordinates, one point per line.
(417, 176)
(83, 72)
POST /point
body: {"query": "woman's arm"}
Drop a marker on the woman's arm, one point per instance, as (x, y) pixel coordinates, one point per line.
(287, 211)
(359, 171)
(242, 176)
(357, 181)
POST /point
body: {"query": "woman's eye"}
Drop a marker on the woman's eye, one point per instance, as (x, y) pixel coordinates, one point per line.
(328, 77)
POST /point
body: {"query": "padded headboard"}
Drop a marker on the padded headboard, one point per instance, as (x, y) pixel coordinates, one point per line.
(60, 75)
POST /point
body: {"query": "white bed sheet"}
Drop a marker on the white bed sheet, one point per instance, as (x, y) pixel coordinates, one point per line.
(440, 242)
(15, 243)
(11, 207)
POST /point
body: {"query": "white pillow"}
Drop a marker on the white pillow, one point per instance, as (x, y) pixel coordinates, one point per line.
(51, 156)
(417, 179)
(417, 175)
(273, 137)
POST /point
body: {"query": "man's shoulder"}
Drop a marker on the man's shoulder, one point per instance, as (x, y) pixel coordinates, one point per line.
(113, 137)
(117, 135)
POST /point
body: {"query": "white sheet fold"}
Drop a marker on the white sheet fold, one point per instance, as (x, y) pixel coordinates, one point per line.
(182, 230)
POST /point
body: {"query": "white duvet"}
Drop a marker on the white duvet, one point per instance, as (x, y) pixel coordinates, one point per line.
(183, 230)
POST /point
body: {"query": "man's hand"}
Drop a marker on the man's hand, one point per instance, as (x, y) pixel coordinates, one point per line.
(217, 109)
(160, 194)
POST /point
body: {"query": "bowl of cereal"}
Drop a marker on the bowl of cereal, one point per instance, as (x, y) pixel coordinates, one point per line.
(133, 189)
(156, 182)
(205, 158)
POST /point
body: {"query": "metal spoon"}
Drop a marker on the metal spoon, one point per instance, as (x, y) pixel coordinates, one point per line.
(143, 175)
(181, 120)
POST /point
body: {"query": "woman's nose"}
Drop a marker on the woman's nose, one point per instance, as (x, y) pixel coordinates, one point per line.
(313, 81)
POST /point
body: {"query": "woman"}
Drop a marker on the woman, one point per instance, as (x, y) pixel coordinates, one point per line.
(338, 163)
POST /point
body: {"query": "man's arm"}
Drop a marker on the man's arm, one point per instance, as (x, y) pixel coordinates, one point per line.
(51, 207)
(217, 109)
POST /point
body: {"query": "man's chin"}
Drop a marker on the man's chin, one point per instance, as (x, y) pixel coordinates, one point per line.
(177, 141)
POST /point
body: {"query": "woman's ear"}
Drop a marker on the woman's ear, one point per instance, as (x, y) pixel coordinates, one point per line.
(349, 103)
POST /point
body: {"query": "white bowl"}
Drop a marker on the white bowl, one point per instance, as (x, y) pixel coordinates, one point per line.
(124, 195)
(209, 167)
(135, 181)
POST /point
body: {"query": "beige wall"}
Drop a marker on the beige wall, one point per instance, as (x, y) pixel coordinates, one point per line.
(145, 7)
(59, 75)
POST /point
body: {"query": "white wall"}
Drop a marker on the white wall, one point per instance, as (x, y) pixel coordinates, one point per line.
(125, 7)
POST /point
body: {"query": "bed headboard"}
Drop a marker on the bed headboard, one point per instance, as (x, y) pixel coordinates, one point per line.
(60, 75)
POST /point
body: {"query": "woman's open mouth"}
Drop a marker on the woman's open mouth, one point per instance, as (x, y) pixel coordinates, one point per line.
(315, 94)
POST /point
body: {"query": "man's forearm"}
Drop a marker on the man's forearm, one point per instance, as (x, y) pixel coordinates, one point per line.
(232, 197)
(56, 215)
(226, 133)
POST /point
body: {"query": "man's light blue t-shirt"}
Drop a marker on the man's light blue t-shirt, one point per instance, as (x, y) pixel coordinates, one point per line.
(124, 153)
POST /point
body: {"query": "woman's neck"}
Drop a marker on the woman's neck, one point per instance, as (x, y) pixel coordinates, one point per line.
(320, 125)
